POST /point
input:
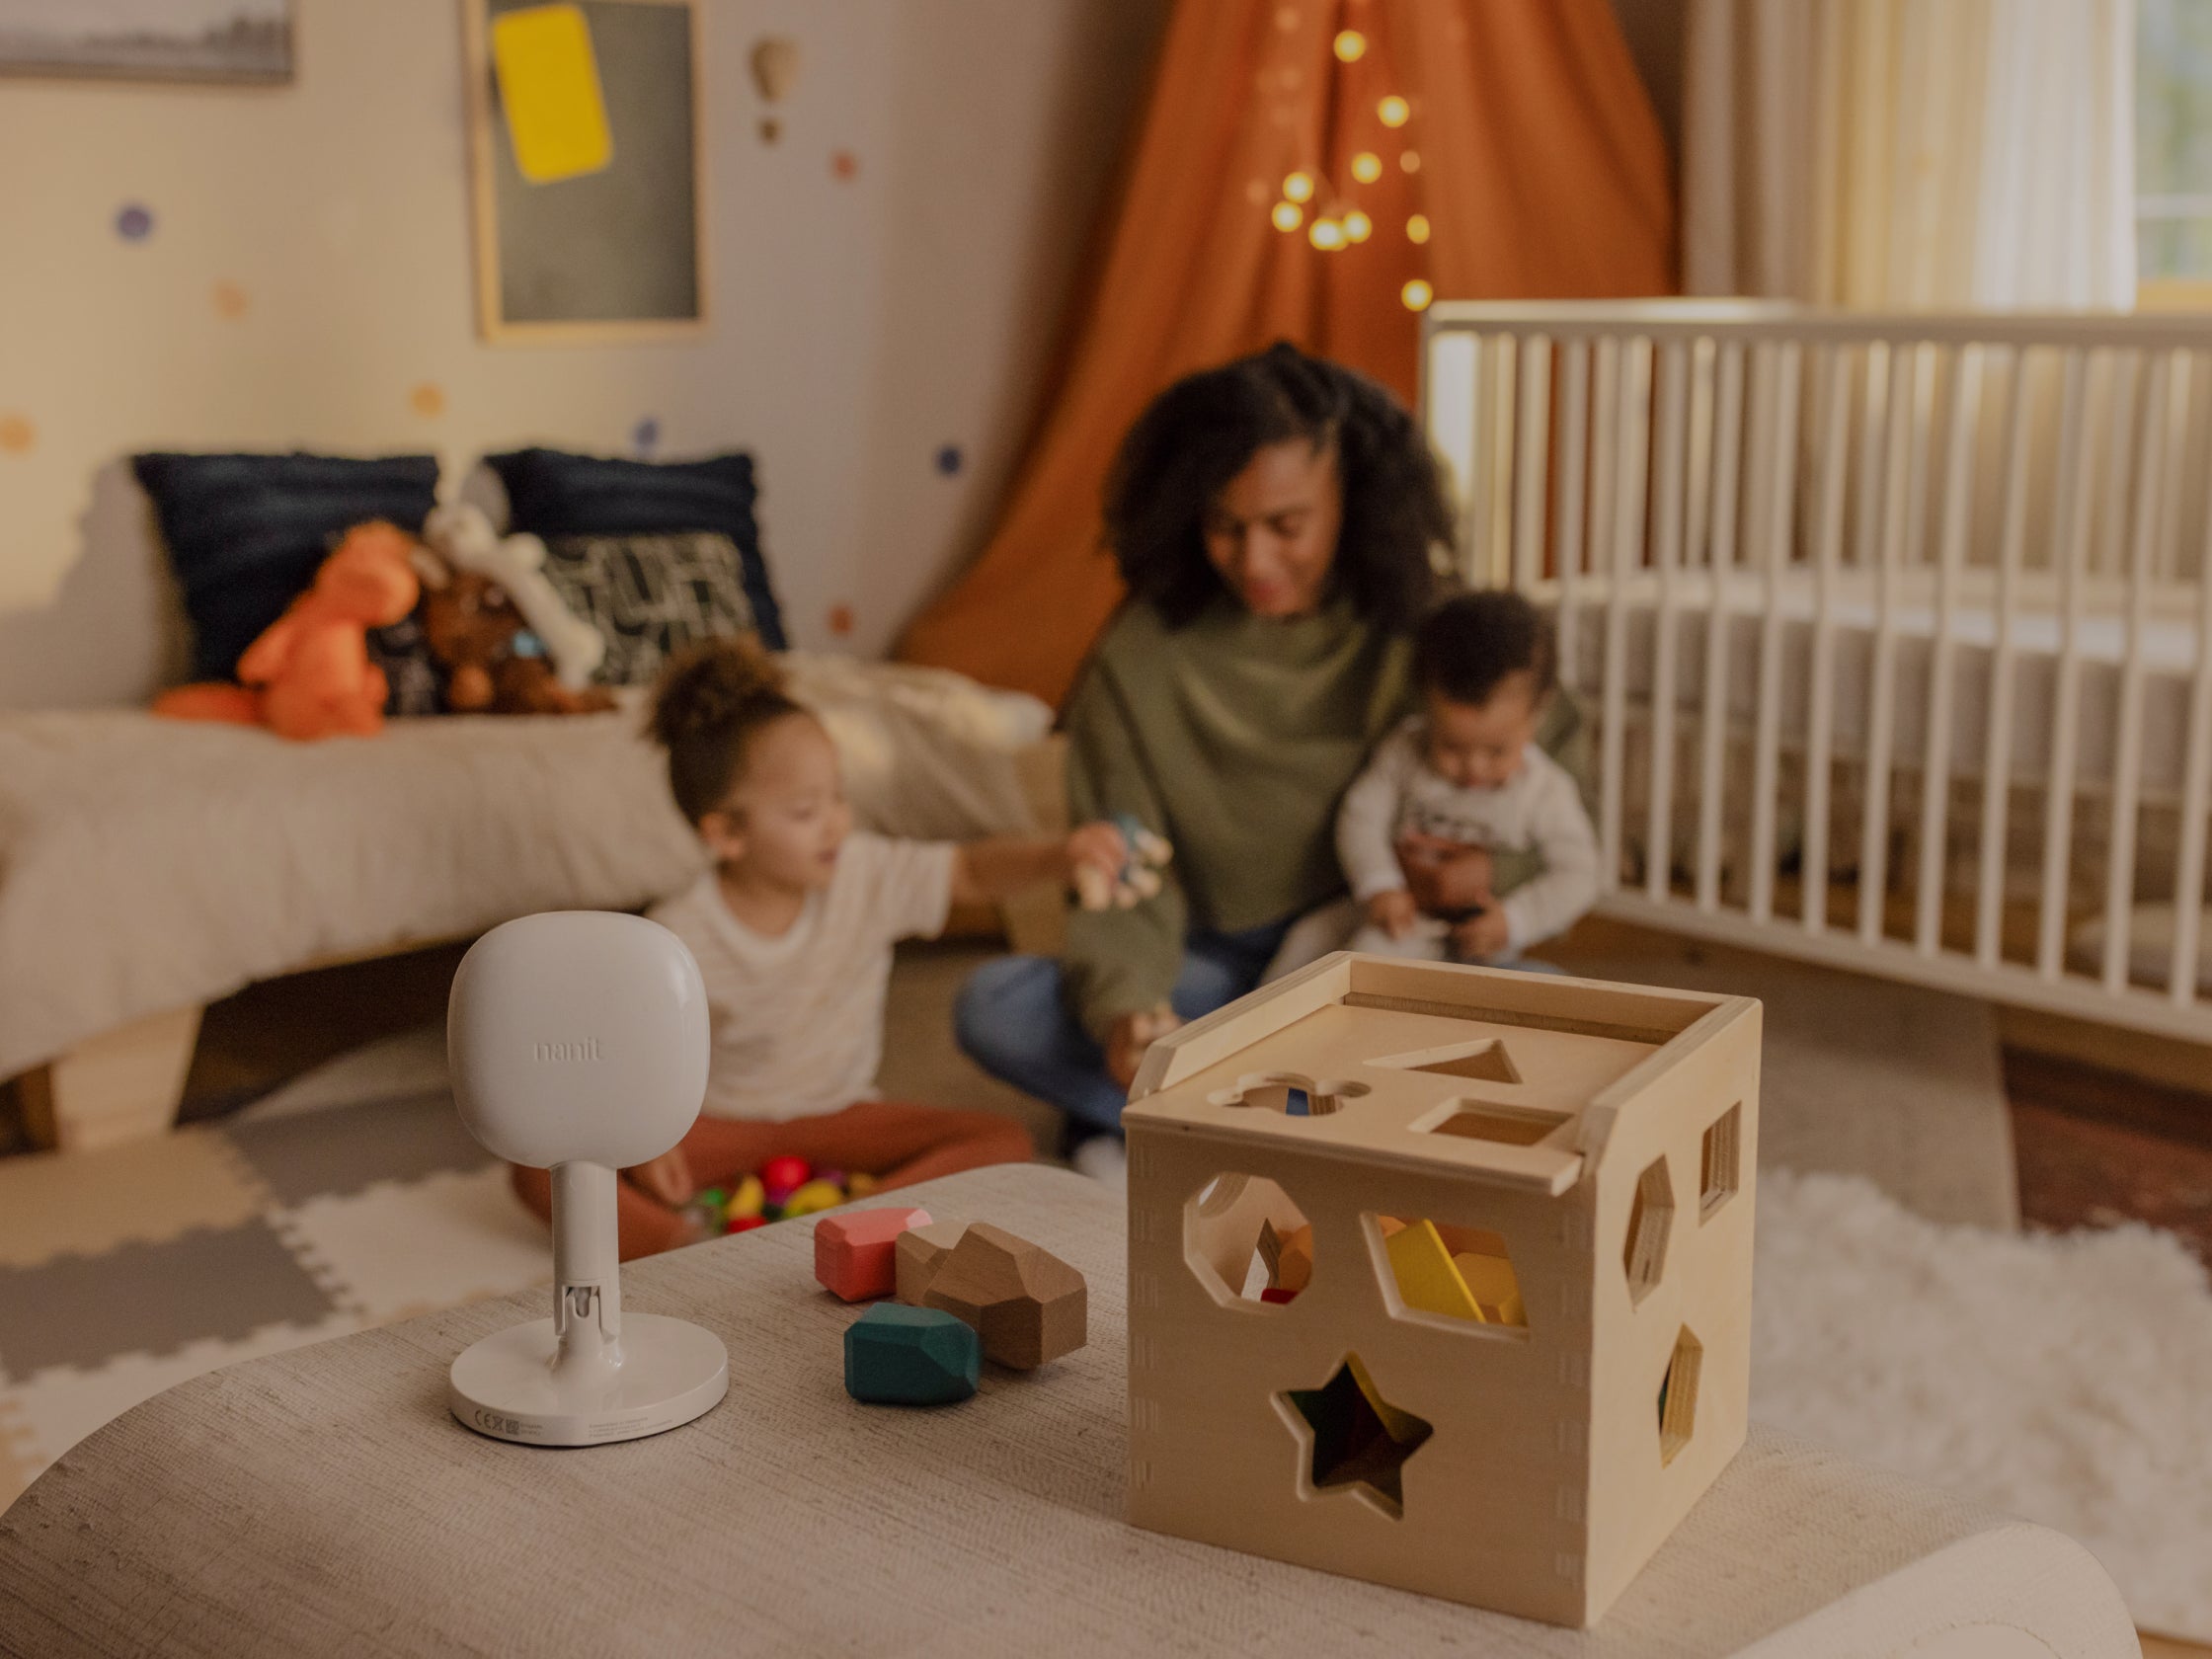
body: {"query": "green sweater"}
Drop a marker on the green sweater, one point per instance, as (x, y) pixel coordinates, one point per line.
(1234, 737)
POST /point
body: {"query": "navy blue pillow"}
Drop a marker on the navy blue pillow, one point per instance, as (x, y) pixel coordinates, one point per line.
(553, 494)
(246, 532)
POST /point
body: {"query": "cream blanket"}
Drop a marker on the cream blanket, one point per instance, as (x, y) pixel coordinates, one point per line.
(151, 864)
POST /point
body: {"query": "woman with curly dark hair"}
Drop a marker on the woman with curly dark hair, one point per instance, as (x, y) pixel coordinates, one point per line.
(1275, 521)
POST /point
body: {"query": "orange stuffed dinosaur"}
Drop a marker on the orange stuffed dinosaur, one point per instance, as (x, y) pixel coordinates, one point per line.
(308, 674)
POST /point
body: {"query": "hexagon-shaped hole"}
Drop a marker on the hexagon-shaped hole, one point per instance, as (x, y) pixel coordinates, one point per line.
(1651, 1220)
(1677, 1395)
(1291, 1093)
(1439, 1272)
(1249, 1244)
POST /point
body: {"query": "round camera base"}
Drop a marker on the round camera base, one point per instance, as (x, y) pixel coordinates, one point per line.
(504, 1386)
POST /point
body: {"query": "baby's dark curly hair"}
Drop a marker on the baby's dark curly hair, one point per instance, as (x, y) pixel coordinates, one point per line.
(1473, 643)
(710, 702)
(1198, 433)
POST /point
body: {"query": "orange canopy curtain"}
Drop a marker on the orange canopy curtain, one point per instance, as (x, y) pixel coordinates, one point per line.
(1314, 169)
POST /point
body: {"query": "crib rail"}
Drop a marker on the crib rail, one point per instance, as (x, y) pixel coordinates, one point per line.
(1897, 629)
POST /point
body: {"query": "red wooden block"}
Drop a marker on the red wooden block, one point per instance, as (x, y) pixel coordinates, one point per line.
(855, 1250)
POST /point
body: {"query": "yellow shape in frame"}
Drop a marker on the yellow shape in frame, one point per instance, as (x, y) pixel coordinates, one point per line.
(1491, 1282)
(1428, 1279)
(549, 87)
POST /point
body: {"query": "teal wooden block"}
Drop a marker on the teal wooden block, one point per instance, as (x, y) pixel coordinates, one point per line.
(897, 1355)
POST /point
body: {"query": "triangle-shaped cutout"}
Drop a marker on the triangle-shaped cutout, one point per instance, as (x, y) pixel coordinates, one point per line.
(1486, 1061)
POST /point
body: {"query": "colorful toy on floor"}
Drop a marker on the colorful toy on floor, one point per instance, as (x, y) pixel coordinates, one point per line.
(855, 1255)
(1028, 1306)
(784, 1187)
(308, 675)
(462, 535)
(1518, 1210)
(1139, 878)
(911, 1356)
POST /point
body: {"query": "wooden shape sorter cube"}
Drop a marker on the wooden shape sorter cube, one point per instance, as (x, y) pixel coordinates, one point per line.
(1521, 1349)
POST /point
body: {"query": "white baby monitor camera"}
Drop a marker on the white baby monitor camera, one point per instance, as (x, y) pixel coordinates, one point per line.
(579, 1044)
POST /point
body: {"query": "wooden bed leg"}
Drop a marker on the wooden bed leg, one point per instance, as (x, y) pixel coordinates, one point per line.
(124, 1085)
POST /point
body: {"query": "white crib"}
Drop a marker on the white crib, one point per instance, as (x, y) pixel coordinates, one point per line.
(1895, 627)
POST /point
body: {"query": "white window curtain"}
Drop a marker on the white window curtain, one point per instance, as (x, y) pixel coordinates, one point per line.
(1910, 154)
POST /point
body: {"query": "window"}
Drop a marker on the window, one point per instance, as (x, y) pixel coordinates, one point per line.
(2173, 152)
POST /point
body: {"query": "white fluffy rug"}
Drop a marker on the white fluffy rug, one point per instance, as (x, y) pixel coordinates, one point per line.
(2066, 1378)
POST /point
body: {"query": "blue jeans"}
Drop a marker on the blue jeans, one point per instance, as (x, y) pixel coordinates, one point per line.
(1012, 1019)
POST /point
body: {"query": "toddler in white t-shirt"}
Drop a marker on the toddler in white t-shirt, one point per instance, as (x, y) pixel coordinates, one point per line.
(793, 928)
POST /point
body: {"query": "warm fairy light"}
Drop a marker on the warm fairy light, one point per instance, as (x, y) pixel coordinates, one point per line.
(1416, 295)
(1367, 167)
(1357, 226)
(1325, 234)
(1287, 215)
(1417, 228)
(1394, 111)
(1351, 45)
(1410, 161)
(1298, 187)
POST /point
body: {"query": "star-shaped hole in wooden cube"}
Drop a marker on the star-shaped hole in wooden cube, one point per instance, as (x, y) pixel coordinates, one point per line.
(1358, 1439)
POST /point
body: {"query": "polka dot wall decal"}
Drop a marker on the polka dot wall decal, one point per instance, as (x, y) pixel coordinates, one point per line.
(645, 436)
(427, 399)
(840, 620)
(17, 434)
(950, 459)
(845, 165)
(135, 223)
(230, 299)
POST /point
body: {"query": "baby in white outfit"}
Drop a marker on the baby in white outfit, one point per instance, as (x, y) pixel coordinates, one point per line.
(1467, 770)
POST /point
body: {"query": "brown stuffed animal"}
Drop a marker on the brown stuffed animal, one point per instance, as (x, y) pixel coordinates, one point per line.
(492, 663)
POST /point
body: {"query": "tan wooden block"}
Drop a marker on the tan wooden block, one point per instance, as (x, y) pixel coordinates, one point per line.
(918, 1255)
(1028, 1306)
(1580, 1157)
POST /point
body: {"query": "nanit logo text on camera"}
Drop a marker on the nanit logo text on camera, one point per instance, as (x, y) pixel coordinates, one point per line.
(586, 1048)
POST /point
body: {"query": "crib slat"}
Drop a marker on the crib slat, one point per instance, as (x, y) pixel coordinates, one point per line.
(1497, 567)
(1698, 507)
(1713, 730)
(1633, 455)
(1997, 753)
(2072, 495)
(1574, 433)
(1828, 532)
(1604, 440)
(1778, 505)
(2197, 787)
(2168, 371)
(1533, 454)
(1881, 715)
(1674, 367)
(1962, 399)
(1474, 510)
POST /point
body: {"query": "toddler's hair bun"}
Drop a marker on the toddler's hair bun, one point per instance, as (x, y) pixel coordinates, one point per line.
(713, 688)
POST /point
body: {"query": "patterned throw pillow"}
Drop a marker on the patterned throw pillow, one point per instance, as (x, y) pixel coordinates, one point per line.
(650, 596)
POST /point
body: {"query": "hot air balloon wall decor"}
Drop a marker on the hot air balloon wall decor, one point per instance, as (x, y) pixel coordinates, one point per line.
(775, 70)
(584, 136)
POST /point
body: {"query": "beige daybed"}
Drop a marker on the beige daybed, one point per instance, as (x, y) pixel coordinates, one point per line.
(148, 867)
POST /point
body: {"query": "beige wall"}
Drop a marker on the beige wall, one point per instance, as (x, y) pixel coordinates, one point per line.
(858, 326)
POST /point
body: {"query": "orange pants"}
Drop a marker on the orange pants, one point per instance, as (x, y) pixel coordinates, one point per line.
(898, 1144)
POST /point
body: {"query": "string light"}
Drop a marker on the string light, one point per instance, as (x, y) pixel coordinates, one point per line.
(1325, 234)
(1287, 215)
(1416, 294)
(1394, 111)
(1351, 46)
(1358, 227)
(1410, 161)
(1367, 167)
(1298, 187)
(1417, 228)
